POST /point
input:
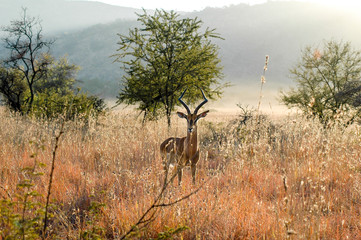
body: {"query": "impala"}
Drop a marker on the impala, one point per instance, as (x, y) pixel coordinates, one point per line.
(183, 151)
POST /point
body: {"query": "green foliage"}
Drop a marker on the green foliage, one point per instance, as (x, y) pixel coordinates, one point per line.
(21, 216)
(93, 231)
(22, 212)
(60, 76)
(164, 57)
(328, 82)
(12, 88)
(51, 104)
(55, 93)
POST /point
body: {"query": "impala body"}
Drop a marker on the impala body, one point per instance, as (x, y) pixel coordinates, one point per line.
(183, 151)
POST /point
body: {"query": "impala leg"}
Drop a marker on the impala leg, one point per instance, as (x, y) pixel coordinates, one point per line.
(194, 162)
(165, 168)
(194, 169)
(180, 172)
(165, 173)
(181, 164)
(167, 160)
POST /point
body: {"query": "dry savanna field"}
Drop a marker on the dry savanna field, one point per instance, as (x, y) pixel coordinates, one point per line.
(272, 178)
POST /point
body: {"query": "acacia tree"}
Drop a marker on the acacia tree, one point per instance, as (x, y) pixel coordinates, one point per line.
(162, 58)
(328, 82)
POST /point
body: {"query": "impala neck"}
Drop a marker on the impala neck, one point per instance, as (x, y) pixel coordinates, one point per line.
(192, 140)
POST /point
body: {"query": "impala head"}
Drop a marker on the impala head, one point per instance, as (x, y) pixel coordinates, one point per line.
(192, 118)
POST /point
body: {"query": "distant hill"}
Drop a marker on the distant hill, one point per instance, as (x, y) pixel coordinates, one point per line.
(277, 29)
(91, 49)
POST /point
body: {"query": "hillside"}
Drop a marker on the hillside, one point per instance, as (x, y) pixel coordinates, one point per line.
(277, 29)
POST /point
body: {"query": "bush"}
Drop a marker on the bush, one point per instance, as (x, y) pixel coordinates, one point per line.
(52, 104)
(328, 83)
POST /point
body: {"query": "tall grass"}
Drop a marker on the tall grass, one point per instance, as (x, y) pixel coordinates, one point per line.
(269, 179)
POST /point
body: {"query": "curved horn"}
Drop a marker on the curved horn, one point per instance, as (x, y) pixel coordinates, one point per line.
(202, 103)
(183, 103)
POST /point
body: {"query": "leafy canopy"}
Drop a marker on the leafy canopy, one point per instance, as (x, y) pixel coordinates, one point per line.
(165, 56)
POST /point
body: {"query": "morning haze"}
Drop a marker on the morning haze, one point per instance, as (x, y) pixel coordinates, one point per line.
(86, 32)
(180, 165)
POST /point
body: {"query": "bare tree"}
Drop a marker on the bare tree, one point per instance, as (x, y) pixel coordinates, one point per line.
(29, 56)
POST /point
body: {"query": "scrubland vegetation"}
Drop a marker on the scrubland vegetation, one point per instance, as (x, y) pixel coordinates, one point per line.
(284, 178)
(70, 169)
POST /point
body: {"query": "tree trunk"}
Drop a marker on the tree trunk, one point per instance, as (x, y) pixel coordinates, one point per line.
(144, 117)
(169, 119)
(168, 114)
(31, 98)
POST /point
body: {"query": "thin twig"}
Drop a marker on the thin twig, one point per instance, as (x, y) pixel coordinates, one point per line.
(7, 193)
(56, 146)
(156, 204)
(263, 81)
(57, 138)
(180, 199)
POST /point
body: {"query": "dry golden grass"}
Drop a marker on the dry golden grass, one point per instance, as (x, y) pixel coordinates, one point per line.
(280, 179)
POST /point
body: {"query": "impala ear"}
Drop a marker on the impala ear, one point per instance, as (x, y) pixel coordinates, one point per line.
(202, 115)
(181, 115)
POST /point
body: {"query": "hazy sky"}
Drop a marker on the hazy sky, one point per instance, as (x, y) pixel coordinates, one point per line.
(191, 5)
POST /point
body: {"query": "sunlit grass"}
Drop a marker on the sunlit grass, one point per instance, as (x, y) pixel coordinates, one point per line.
(277, 179)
